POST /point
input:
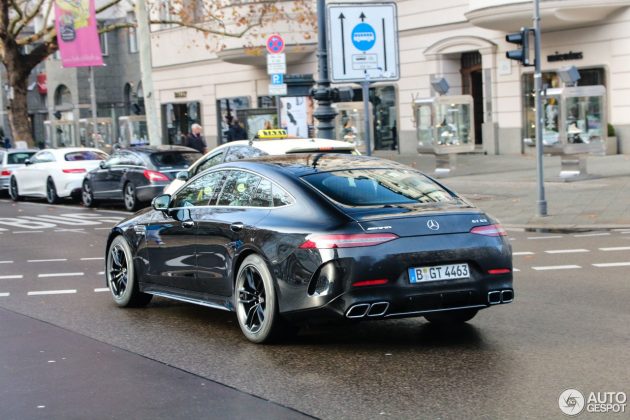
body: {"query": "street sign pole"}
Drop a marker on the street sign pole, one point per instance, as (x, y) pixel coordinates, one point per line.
(365, 87)
(324, 113)
(542, 202)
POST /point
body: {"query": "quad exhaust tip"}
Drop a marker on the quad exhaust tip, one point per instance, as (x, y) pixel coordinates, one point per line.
(371, 310)
(500, 296)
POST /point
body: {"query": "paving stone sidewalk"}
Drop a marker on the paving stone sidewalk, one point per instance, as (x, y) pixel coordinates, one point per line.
(506, 186)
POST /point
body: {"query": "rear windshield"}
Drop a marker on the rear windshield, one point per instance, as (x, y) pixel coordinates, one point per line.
(374, 187)
(19, 157)
(85, 155)
(172, 159)
(325, 149)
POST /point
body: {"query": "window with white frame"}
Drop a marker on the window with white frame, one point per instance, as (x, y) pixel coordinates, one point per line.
(104, 46)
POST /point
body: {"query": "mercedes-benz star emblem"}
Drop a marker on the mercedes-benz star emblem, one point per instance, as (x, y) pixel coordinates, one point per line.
(433, 225)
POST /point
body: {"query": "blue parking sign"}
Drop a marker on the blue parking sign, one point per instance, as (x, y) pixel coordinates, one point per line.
(277, 79)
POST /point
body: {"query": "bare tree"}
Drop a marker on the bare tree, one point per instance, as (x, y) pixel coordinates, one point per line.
(23, 45)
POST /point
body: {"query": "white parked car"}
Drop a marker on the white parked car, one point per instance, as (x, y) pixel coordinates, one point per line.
(54, 173)
(243, 149)
(10, 160)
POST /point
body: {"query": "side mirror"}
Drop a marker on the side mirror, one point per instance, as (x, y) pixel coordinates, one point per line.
(102, 164)
(28, 162)
(182, 176)
(161, 202)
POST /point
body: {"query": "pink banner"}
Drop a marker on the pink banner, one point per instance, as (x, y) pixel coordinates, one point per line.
(77, 33)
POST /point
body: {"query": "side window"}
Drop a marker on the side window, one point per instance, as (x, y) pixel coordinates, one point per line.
(115, 159)
(280, 197)
(210, 162)
(126, 159)
(239, 189)
(200, 192)
(262, 196)
(43, 157)
(242, 152)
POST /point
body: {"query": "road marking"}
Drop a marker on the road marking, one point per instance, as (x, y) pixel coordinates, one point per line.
(619, 264)
(60, 220)
(616, 248)
(50, 260)
(92, 258)
(100, 273)
(52, 292)
(101, 228)
(6, 262)
(60, 275)
(79, 230)
(556, 267)
(515, 270)
(566, 251)
(523, 253)
(28, 231)
(586, 235)
(102, 289)
(15, 276)
(5, 294)
(544, 237)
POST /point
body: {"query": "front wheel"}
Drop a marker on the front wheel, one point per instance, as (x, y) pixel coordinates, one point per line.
(129, 193)
(452, 317)
(121, 275)
(51, 192)
(13, 190)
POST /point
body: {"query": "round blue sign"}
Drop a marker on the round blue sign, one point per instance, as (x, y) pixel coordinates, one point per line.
(363, 37)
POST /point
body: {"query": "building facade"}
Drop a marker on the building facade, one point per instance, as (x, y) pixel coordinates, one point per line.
(461, 41)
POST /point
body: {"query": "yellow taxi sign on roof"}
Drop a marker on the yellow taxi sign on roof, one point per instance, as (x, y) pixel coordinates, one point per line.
(276, 133)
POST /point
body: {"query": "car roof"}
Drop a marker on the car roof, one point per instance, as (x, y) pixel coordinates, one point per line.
(301, 164)
(64, 150)
(147, 149)
(19, 150)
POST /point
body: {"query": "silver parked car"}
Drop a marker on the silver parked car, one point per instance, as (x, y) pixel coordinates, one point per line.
(11, 159)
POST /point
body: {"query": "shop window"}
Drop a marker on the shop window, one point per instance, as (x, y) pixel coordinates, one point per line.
(226, 112)
(177, 120)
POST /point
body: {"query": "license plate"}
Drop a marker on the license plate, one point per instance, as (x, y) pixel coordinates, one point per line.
(439, 272)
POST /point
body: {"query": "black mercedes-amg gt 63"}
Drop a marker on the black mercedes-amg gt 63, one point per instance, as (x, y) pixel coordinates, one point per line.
(284, 241)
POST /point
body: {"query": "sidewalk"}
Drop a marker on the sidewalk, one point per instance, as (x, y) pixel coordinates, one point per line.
(506, 186)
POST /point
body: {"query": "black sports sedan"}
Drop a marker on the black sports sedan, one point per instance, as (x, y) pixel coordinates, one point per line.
(298, 239)
(136, 175)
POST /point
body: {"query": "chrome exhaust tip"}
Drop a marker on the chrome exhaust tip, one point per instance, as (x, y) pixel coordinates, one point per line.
(358, 311)
(494, 297)
(507, 296)
(378, 309)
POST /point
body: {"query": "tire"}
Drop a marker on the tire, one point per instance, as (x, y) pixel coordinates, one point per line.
(87, 195)
(256, 302)
(451, 317)
(13, 190)
(51, 192)
(122, 280)
(129, 197)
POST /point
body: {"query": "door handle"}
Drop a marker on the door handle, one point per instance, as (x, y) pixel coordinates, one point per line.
(188, 224)
(236, 227)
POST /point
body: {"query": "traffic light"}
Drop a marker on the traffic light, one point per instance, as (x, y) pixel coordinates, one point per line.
(520, 38)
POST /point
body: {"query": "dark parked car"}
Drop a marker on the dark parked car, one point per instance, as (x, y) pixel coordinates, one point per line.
(303, 238)
(136, 175)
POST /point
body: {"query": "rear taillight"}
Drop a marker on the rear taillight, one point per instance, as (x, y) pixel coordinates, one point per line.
(74, 171)
(347, 241)
(499, 271)
(6, 172)
(154, 176)
(363, 283)
(489, 230)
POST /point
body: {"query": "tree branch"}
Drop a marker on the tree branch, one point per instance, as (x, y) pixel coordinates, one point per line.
(28, 18)
(19, 17)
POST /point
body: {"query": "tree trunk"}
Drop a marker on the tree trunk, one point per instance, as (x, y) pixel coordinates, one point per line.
(18, 111)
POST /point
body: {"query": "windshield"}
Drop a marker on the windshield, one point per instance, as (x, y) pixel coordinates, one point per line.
(377, 187)
(85, 155)
(19, 157)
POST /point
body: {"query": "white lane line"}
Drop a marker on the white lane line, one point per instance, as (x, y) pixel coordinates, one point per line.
(566, 251)
(5, 294)
(100, 273)
(515, 270)
(619, 264)
(92, 258)
(586, 235)
(6, 262)
(16, 276)
(544, 237)
(616, 248)
(556, 267)
(523, 253)
(625, 232)
(60, 275)
(101, 228)
(49, 260)
(101, 289)
(52, 292)
(28, 231)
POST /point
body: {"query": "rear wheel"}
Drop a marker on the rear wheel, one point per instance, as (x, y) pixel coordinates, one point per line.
(129, 195)
(51, 192)
(121, 275)
(13, 190)
(452, 317)
(87, 195)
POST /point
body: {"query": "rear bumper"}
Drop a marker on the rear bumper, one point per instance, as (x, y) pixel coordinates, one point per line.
(70, 185)
(4, 182)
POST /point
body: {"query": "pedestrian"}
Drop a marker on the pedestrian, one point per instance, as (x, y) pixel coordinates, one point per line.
(195, 140)
(236, 131)
(7, 142)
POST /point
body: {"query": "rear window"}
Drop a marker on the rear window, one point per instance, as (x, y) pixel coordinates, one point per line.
(326, 150)
(19, 157)
(171, 159)
(85, 155)
(374, 187)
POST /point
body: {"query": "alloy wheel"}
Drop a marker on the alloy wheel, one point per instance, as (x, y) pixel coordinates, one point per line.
(86, 194)
(130, 197)
(118, 271)
(13, 190)
(252, 299)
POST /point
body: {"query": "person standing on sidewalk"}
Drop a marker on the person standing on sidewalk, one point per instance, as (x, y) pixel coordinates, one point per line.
(195, 140)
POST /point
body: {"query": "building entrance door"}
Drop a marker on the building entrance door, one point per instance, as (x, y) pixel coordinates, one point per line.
(472, 84)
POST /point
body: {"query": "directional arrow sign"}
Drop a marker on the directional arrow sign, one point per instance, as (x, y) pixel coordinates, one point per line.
(363, 41)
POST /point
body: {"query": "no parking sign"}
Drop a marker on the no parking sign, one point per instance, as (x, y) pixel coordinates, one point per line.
(275, 44)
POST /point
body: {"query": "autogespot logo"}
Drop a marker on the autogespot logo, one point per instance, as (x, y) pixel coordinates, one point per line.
(571, 402)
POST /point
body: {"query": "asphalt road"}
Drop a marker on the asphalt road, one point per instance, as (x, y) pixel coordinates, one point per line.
(568, 328)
